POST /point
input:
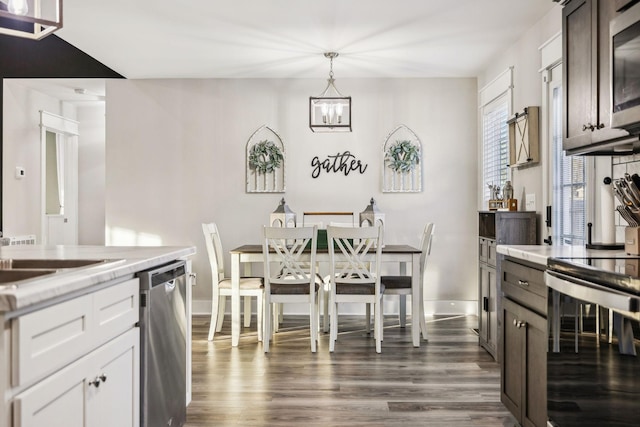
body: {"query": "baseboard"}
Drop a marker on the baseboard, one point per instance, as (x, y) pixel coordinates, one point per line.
(431, 307)
(450, 307)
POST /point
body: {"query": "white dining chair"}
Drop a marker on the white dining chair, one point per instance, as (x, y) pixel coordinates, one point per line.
(401, 285)
(354, 275)
(289, 276)
(221, 285)
(325, 292)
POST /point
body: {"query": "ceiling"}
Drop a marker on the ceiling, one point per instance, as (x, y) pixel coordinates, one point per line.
(287, 38)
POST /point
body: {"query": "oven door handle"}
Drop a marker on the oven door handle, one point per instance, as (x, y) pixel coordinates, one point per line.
(591, 292)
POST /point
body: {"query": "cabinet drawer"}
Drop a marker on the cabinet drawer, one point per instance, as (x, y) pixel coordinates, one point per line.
(116, 309)
(524, 284)
(483, 249)
(46, 340)
(487, 251)
(492, 256)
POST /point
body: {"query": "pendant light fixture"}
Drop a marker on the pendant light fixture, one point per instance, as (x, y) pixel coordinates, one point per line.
(330, 111)
(31, 19)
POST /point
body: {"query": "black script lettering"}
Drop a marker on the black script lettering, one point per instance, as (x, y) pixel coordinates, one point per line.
(339, 163)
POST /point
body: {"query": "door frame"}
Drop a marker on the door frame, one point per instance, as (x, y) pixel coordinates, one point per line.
(69, 129)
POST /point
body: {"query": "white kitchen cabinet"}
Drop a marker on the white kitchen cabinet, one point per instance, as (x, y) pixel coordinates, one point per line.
(75, 362)
(48, 339)
(98, 390)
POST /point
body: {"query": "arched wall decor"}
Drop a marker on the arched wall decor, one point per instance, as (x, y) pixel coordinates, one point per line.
(265, 162)
(402, 162)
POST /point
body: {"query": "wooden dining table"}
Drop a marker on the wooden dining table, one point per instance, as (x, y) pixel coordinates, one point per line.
(245, 255)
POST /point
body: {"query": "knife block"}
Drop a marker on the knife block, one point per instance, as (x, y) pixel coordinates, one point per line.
(632, 240)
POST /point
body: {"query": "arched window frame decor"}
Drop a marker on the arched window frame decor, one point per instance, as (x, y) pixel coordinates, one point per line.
(402, 173)
(267, 175)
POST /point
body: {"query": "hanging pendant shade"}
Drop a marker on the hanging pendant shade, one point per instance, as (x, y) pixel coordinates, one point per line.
(330, 111)
(31, 19)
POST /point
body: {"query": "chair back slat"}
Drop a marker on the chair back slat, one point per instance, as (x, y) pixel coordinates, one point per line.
(352, 252)
(214, 250)
(283, 250)
(425, 246)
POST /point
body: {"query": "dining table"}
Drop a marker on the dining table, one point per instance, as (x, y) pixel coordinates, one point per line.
(244, 256)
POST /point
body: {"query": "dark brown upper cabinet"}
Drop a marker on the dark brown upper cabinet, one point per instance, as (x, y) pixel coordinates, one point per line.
(587, 87)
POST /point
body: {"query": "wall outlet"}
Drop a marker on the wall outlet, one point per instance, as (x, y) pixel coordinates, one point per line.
(530, 202)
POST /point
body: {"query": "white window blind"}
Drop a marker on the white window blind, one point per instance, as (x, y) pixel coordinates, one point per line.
(569, 183)
(495, 144)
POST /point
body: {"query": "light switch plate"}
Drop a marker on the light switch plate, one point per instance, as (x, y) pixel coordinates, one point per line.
(530, 202)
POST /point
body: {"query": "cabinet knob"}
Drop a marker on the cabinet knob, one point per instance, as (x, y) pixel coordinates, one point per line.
(521, 324)
(592, 127)
(102, 378)
(515, 322)
(523, 283)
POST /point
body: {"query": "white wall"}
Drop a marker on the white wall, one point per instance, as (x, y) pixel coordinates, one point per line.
(91, 174)
(524, 56)
(176, 153)
(21, 147)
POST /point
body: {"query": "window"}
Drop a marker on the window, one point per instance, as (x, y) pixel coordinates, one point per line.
(495, 144)
(568, 178)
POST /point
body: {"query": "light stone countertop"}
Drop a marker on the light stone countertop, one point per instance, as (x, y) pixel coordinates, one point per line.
(538, 254)
(124, 261)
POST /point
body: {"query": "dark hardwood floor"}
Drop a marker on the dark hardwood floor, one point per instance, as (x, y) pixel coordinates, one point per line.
(448, 381)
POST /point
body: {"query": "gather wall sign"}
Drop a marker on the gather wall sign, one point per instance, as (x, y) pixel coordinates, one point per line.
(343, 163)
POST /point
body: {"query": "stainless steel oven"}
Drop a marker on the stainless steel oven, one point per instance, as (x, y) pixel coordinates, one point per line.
(624, 33)
(592, 379)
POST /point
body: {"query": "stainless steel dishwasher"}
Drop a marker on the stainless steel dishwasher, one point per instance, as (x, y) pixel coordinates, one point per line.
(163, 349)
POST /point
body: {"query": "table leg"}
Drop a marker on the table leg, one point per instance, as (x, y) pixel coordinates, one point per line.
(416, 295)
(235, 299)
(247, 299)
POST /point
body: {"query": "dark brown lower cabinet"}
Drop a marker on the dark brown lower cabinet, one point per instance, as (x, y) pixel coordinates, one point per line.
(523, 346)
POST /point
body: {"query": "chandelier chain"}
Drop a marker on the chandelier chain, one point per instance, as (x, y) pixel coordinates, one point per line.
(331, 67)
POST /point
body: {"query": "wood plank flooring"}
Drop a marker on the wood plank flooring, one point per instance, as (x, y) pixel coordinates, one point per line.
(448, 381)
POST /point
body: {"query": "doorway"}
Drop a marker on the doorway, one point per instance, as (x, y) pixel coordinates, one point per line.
(59, 172)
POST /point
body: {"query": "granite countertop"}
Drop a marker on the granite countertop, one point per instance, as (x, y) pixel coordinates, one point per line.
(538, 254)
(122, 261)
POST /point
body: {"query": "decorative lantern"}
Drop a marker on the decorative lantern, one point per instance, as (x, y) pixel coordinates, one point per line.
(330, 111)
(372, 216)
(30, 19)
(282, 216)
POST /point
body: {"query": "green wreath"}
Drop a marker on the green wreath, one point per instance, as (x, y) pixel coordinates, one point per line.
(403, 156)
(265, 157)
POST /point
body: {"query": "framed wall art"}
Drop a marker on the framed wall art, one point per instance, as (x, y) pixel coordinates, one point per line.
(265, 162)
(402, 162)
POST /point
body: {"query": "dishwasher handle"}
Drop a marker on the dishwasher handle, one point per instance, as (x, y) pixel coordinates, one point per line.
(149, 279)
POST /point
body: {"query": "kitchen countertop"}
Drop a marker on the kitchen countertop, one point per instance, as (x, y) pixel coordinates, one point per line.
(538, 254)
(123, 261)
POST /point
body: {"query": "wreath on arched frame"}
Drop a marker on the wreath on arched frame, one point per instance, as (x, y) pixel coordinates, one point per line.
(403, 156)
(265, 157)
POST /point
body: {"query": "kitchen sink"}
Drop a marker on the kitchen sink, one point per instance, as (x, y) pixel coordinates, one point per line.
(52, 264)
(8, 276)
(15, 270)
